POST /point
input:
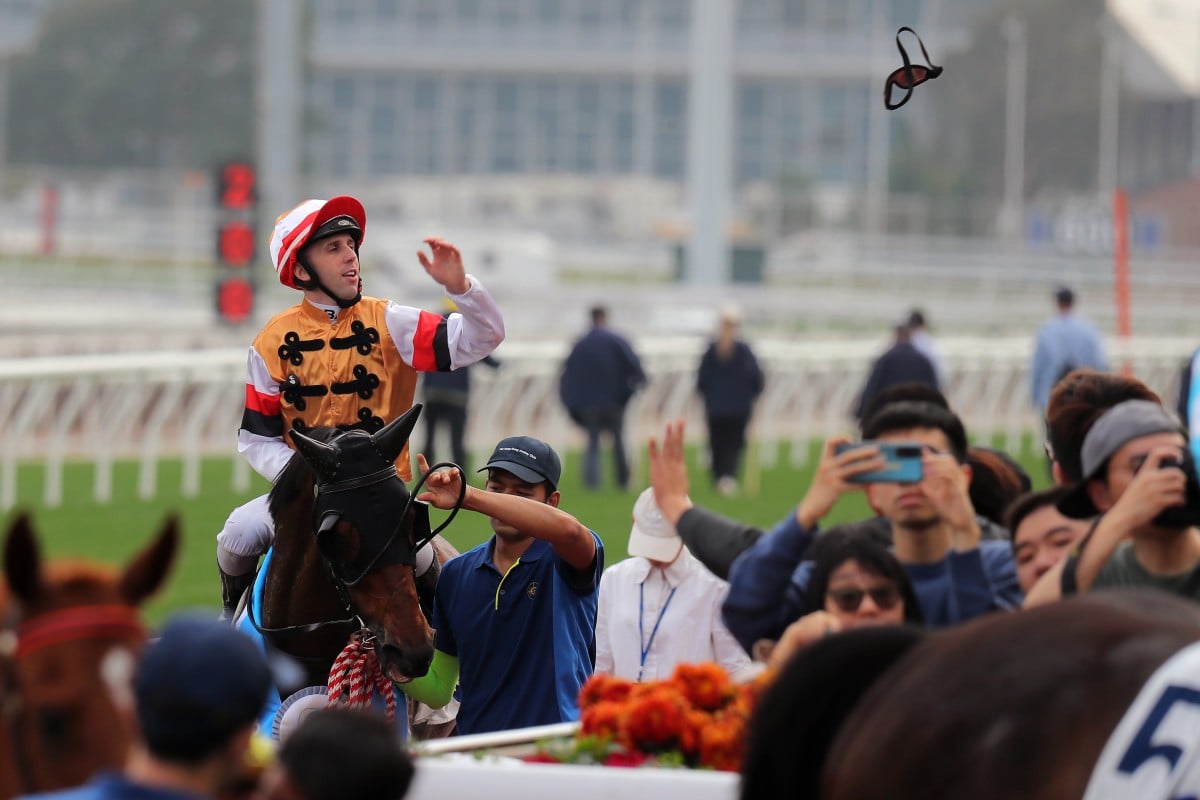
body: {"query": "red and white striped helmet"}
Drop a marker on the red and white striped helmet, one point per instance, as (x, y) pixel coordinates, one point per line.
(295, 228)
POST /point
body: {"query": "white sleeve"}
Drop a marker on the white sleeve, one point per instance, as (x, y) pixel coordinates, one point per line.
(604, 655)
(471, 333)
(267, 455)
(258, 443)
(726, 650)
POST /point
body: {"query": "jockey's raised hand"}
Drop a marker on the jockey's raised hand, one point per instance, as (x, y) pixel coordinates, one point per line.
(446, 266)
(442, 486)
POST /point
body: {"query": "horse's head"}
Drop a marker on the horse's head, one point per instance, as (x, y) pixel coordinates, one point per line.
(70, 633)
(368, 529)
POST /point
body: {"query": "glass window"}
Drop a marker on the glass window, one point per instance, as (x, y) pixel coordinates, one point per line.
(424, 94)
(468, 10)
(342, 89)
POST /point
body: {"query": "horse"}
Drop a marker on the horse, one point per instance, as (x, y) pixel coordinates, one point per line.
(1031, 704)
(342, 565)
(70, 633)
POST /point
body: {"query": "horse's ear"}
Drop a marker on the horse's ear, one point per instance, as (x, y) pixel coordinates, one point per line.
(23, 559)
(320, 456)
(144, 575)
(391, 438)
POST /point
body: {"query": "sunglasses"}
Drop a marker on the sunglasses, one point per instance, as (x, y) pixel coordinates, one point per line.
(909, 76)
(848, 600)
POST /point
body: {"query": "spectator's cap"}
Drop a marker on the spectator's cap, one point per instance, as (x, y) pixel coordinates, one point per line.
(197, 683)
(1114, 428)
(309, 221)
(530, 459)
(1064, 296)
(652, 536)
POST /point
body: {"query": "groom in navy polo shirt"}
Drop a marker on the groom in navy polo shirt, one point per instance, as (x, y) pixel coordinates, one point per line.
(515, 616)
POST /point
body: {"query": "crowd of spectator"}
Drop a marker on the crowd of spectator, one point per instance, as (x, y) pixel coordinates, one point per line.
(524, 618)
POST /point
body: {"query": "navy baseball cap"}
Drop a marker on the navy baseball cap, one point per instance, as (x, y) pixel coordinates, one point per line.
(530, 459)
(197, 683)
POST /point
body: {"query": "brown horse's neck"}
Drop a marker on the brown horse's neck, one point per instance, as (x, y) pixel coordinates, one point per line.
(298, 591)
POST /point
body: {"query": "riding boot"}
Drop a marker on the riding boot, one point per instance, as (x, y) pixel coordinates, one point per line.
(232, 589)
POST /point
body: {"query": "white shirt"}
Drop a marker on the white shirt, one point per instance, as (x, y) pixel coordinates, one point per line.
(690, 630)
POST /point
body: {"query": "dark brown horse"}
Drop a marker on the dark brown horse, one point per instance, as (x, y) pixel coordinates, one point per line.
(1009, 705)
(346, 536)
(70, 633)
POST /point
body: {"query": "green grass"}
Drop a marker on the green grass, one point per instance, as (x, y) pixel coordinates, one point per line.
(112, 532)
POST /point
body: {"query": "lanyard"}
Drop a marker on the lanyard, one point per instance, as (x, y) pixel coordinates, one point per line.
(654, 632)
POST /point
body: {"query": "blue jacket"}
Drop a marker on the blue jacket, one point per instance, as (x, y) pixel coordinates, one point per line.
(729, 387)
(601, 373)
(1064, 343)
(768, 584)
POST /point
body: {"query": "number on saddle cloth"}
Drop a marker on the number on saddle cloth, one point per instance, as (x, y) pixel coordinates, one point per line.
(1154, 752)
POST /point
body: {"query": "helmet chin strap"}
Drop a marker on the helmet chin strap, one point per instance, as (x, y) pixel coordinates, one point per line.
(315, 283)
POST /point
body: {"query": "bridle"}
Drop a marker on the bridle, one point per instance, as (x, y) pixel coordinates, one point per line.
(21, 639)
(393, 548)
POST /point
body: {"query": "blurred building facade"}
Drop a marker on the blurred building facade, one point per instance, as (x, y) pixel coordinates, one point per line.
(599, 88)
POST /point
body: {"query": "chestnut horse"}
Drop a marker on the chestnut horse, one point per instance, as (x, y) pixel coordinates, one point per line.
(1007, 705)
(70, 632)
(347, 531)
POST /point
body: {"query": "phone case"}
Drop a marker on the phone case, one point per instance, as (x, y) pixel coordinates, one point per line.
(903, 465)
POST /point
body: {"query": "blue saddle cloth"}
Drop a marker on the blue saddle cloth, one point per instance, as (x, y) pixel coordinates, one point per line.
(268, 724)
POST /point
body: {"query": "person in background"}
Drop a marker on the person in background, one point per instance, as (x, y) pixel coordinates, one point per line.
(996, 481)
(923, 341)
(1075, 404)
(600, 376)
(729, 381)
(1064, 343)
(197, 692)
(446, 397)
(516, 615)
(661, 607)
(1042, 535)
(936, 535)
(1187, 406)
(902, 363)
(855, 582)
(337, 753)
(1139, 491)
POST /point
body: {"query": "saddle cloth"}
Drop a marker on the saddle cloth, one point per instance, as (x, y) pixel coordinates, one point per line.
(1154, 753)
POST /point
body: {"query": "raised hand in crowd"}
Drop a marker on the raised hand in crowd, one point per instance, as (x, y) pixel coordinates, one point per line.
(668, 472)
(833, 478)
(948, 486)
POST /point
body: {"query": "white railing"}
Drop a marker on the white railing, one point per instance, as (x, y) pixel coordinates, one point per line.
(188, 404)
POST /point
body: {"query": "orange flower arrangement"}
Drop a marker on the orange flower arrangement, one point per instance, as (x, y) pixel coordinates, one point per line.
(696, 718)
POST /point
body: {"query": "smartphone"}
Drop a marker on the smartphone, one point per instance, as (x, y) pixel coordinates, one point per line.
(903, 462)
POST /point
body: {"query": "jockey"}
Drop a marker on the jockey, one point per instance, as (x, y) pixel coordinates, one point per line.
(338, 358)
